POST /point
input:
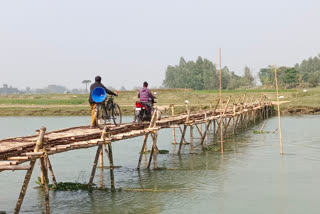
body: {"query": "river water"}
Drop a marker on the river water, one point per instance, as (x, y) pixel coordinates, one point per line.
(250, 177)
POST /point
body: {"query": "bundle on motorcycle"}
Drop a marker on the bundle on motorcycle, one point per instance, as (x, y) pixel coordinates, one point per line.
(106, 109)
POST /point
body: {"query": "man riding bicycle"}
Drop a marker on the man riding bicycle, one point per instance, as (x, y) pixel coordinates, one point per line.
(92, 103)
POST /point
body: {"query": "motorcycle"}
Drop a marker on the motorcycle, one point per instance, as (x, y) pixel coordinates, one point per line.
(142, 112)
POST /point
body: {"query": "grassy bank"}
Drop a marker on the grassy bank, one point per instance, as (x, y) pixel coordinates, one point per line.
(77, 104)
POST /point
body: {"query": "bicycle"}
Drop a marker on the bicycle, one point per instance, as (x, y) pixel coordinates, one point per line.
(106, 111)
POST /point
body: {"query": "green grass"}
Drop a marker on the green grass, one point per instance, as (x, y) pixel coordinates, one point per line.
(44, 99)
(77, 104)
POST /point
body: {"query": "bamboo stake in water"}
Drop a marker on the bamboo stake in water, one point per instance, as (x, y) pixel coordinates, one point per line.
(221, 133)
(275, 75)
(173, 129)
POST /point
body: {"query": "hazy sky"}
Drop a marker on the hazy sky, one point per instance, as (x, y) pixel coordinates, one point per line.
(127, 42)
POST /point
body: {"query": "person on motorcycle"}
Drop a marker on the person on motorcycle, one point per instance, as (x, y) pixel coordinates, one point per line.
(146, 98)
(92, 103)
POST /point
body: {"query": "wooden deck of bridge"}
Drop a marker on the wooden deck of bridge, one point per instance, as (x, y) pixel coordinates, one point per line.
(15, 151)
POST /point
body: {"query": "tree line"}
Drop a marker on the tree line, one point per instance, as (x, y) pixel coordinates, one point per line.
(204, 75)
(305, 74)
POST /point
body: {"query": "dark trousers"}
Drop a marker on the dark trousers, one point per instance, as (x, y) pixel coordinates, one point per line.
(149, 105)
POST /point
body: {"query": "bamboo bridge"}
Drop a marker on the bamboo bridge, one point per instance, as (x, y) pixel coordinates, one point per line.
(21, 153)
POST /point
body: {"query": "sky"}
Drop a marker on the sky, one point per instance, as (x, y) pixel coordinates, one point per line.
(64, 42)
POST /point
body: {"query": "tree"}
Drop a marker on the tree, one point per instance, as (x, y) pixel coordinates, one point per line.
(86, 82)
(266, 76)
(248, 79)
(202, 74)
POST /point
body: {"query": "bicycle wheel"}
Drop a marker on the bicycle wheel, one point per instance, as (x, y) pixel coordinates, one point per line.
(116, 115)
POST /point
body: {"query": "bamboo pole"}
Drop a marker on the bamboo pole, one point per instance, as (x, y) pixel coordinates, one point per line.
(188, 112)
(221, 132)
(200, 124)
(105, 133)
(153, 150)
(15, 167)
(51, 171)
(151, 153)
(215, 108)
(205, 133)
(94, 165)
(191, 134)
(200, 132)
(111, 166)
(40, 139)
(101, 158)
(39, 145)
(221, 123)
(173, 128)
(44, 170)
(106, 151)
(182, 137)
(226, 126)
(214, 129)
(279, 119)
(142, 149)
(24, 186)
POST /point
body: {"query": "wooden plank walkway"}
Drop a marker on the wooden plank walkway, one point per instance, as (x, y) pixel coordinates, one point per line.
(17, 150)
(83, 136)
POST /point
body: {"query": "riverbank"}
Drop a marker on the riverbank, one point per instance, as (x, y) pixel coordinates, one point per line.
(294, 101)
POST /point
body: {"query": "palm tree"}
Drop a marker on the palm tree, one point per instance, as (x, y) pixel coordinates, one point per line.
(86, 82)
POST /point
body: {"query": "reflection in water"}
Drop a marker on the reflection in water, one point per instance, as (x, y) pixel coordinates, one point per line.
(101, 178)
(281, 196)
(250, 177)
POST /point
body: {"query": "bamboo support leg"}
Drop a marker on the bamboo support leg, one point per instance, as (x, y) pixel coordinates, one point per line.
(233, 125)
(51, 172)
(101, 158)
(42, 178)
(191, 134)
(214, 128)
(200, 133)
(106, 151)
(174, 135)
(152, 151)
(101, 177)
(111, 167)
(156, 150)
(207, 127)
(247, 119)
(182, 138)
(142, 149)
(204, 134)
(219, 126)
(226, 127)
(44, 171)
(237, 122)
(94, 165)
(24, 187)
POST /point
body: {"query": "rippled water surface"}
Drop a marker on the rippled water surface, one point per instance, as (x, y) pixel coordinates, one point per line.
(250, 177)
